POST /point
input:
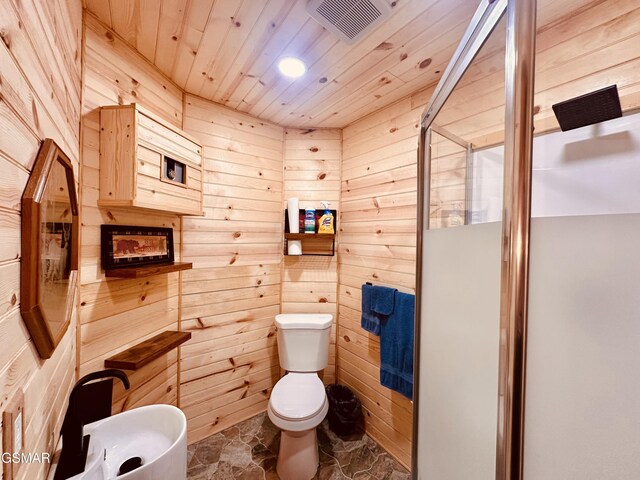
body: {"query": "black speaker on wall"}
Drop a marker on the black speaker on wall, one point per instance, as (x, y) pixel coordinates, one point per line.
(594, 107)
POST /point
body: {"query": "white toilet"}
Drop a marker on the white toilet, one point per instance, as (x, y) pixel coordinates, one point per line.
(298, 402)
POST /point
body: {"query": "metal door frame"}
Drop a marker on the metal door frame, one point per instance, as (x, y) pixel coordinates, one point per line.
(516, 215)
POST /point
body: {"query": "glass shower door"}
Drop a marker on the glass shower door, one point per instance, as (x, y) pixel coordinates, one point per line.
(459, 307)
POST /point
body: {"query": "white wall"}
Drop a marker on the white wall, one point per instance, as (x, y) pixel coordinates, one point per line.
(583, 362)
(592, 170)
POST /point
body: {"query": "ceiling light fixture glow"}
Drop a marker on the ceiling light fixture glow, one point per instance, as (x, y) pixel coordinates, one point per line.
(292, 67)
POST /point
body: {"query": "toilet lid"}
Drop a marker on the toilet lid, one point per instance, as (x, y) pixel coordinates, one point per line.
(298, 396)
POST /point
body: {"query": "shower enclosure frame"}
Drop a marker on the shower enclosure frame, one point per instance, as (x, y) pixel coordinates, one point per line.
(516, 214)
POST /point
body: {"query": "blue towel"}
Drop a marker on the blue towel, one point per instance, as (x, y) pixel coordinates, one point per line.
(382, 299)
(370, 321)
(396, 346)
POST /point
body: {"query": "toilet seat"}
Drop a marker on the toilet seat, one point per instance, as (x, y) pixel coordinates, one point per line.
(298, 402)
(298, 396)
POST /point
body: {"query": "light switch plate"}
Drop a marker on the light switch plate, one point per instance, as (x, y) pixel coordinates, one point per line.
(13, 433)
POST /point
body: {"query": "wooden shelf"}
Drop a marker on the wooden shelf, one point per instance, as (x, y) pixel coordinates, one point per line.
(143, 353)
(316, 252)
(304, 236)
(148, 270)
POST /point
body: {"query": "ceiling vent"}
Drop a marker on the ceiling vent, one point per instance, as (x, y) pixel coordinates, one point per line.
(349, 20)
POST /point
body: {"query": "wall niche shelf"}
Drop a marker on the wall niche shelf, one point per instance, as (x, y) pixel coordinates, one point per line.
(148, 270)
(143, 353)
(318, 244)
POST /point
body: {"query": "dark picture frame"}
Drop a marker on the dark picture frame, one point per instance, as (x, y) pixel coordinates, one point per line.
(124, 246)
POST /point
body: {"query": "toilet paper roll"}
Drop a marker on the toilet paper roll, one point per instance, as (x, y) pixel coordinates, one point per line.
(294, 247)
(294, 218)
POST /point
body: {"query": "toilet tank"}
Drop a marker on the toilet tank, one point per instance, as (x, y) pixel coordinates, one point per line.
(303, 341)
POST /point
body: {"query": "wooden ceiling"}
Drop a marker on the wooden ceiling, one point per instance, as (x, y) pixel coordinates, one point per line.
(227, 51)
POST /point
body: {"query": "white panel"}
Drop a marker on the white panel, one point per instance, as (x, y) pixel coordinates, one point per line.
(583, 363)
(587, 171)
(459, 353)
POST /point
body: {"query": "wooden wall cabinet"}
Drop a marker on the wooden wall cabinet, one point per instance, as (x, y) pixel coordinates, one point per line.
(146, 162)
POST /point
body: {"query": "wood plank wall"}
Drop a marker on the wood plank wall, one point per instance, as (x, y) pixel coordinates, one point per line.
(312, 173)
(115, 313)
(232, 295)
(40, 90)
(377, 245)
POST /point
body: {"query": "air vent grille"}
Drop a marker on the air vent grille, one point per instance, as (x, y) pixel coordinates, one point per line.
(349, 19)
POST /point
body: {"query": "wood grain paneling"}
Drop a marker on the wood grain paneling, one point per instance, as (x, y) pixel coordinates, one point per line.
(312, 173)
(116, 314)
(227, 51)
(378, 245)
(232, 295)
(40, 84)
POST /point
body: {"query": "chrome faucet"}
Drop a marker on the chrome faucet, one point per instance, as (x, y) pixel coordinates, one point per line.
(88, 402)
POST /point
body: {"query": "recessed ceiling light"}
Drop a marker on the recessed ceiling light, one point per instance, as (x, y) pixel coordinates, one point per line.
(292, 67)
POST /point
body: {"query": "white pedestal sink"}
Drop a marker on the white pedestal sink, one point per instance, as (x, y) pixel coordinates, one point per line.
(155, 433)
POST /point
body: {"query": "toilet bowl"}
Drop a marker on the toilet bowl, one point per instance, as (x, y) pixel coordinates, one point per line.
(297, 405)
(298, 401)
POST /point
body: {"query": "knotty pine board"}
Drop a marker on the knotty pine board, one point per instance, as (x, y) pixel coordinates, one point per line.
(377, 244)
(40, 86)
(312, 173)
(116, 314)
(226, 51)
(232, 295)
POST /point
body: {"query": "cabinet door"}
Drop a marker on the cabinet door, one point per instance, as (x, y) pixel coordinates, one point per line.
(117, 154)
(152, 192)
(175, 145)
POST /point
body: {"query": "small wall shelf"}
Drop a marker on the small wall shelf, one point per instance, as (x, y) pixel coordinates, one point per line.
(148, 270)
(322, 239)
(145, 352)
(305, 236)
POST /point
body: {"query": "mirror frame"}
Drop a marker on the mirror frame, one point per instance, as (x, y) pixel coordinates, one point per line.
(30, 270)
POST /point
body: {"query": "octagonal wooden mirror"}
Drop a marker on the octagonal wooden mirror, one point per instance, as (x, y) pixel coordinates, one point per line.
(49, 267)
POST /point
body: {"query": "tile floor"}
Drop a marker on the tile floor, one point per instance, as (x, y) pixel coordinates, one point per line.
(249, 450)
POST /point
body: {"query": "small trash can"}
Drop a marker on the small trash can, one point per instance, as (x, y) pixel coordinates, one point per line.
(345, 410)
